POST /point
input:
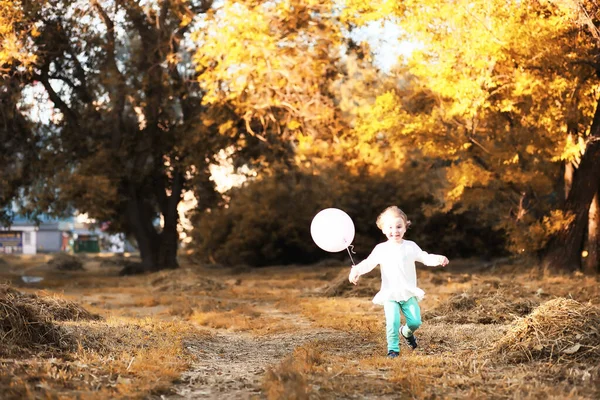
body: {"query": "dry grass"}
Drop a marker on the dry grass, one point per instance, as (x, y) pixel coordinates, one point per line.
(329, 369)
(488, 302)
(341, 287)
(29, 322)
(54, 348)
(239, 318)
(66, 262)
(111, 359)
(287, 380)
(504, 332)
(560, 329)
(353, 315)
(465, 318)
(183, 280)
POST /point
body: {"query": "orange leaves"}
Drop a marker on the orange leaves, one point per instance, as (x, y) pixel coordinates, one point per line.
(11, 40)
(378, 118)
(293, 125)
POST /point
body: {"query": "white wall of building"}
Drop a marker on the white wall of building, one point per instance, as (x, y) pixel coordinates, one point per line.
(29, 238)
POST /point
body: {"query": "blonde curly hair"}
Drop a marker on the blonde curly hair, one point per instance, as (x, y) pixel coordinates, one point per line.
(392, 212)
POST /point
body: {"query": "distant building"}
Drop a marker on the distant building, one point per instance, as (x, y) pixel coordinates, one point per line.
(17, 241)
(55, 235)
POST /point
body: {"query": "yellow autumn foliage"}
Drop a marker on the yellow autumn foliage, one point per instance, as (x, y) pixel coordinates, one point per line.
(465, 175)
(268, 61)
(537, 233)
(509, 94)
(12, 40)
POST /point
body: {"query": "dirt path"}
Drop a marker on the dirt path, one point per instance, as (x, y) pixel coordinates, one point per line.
(231, 365)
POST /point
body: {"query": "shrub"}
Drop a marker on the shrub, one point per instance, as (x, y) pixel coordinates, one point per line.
(267, 220)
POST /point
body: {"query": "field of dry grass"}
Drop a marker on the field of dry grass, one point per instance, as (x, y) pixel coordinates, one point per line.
(505, 331)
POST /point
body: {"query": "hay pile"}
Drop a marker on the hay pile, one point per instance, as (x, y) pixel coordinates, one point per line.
(487, 302)
(182, 280)
(559, 329)
(66, 262)
(28, 321)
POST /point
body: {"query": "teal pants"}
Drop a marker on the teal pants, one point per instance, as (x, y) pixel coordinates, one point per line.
(412, 314)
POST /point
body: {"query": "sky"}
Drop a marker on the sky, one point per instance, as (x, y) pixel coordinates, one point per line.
(384, 39)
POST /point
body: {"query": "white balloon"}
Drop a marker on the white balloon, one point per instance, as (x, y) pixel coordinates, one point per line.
(332, 230)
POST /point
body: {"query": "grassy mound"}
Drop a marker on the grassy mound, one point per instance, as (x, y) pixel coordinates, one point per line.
(66, 262)
(559, 329)
(27, 321)
(487, 302)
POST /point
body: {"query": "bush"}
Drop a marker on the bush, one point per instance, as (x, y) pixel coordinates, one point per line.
(267, 220)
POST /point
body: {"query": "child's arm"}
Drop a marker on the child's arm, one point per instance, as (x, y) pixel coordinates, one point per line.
(363, 267)
(431, 260)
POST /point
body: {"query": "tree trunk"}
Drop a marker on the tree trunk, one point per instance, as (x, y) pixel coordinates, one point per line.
(169, 237)
(168, 246)
(563, 251)
(590, 265)
(157, 250)
(568, 177)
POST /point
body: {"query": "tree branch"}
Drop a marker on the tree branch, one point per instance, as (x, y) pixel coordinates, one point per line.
(82, 89)
(119, 93)
(71, 116)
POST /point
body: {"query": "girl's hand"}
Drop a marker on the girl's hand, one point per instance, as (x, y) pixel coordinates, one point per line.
(443, 261)
(353, 277)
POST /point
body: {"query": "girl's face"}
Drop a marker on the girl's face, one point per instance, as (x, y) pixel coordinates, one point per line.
(394, 229)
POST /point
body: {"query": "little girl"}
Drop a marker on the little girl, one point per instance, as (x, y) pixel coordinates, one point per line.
(399, 289)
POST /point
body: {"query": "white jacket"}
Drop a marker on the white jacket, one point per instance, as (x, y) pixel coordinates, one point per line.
(398, 271)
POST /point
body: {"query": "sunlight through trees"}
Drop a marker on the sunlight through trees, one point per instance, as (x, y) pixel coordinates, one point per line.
(491, 117)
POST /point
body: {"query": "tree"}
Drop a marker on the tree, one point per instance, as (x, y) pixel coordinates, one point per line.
(564, 249)
(273, 63)
(126, 137)
(18, 142)
(146, 95)
(502, 85)
(13, 32)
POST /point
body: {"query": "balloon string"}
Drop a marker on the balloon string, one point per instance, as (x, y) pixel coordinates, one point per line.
(350, 251)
